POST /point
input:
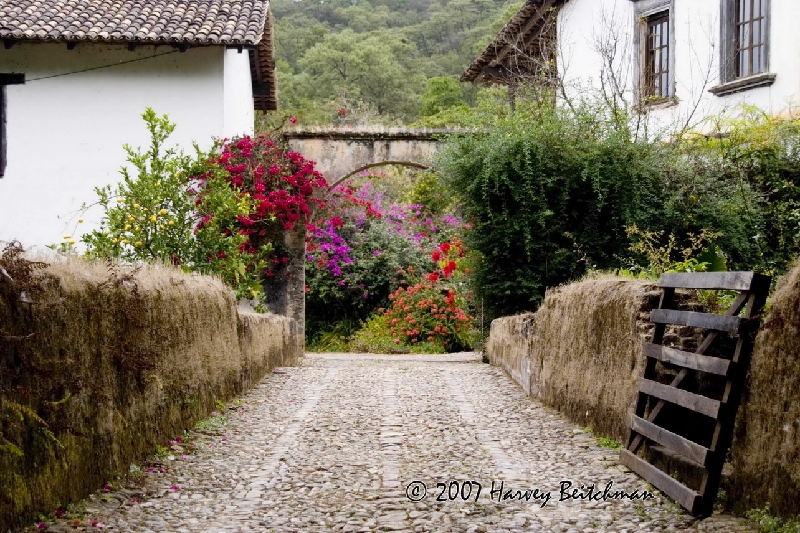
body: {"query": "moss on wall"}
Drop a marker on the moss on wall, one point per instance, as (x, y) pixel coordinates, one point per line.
(99, 364)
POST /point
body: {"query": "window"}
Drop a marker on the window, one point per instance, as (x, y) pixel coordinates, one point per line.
(751, 35)
(654, 39)
(5, 79)
(657, 53)
(744, 40)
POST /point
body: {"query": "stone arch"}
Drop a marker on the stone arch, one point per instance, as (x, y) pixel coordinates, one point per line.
(410, 164)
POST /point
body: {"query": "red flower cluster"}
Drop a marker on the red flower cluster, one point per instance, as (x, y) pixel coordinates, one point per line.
(282, 185)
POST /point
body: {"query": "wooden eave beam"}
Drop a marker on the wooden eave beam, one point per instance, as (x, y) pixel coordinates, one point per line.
(530, 25)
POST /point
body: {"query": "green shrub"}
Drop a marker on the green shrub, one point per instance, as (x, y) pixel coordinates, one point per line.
(550, 192)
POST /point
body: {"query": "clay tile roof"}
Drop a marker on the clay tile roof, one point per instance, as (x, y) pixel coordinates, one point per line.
(187, 22)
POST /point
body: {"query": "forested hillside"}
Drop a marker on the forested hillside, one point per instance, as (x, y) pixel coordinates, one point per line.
(373, 60)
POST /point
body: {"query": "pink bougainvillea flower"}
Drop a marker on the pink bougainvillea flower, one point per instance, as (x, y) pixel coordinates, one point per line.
(134, 500)
(59, 513)
(41, 525)
(185, 457)
(106, 487)
(99, 525)
(224, 439)
(175, 488)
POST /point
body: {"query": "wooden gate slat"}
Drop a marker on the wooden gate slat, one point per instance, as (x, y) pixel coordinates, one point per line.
(754, 289)
(689, 400)
(694, 319)
(666, 484)
(694, 361)
(685, 447)
(732, 281)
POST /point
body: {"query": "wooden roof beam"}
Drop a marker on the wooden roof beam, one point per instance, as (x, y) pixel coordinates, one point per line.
(531, 24)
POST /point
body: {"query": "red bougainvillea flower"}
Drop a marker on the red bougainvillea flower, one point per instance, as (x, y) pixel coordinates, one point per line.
(433, 276)
(293, 120)
(342, 112)
(436, 255)
(449, 269)
(445, 247)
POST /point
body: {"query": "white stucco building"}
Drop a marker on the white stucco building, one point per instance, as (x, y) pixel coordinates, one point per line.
(77, 76)
(677, 61)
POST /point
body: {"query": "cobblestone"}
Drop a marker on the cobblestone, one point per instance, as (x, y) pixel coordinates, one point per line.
(333, 445)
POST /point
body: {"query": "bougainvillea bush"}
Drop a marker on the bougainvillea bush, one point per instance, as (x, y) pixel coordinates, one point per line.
(368, 246)
(223, 212)
(430, 315)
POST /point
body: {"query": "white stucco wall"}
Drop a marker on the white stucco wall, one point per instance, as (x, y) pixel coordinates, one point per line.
(239, 116)
(582, 23)
(65, 134)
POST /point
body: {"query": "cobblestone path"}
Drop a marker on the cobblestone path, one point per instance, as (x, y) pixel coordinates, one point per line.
(333, 444)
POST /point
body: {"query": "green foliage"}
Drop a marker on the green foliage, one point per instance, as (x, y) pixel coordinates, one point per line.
(344, 67)
(428, 190)
(757, 151)
(153, 215)
(608, 442)
(378, 52)
(551, 191)
(767, 523)
(442, 93)
(149, 216)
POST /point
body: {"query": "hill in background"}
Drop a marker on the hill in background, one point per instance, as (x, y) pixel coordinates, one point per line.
(379, 61)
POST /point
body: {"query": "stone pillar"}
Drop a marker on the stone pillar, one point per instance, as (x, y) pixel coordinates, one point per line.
(286, 290)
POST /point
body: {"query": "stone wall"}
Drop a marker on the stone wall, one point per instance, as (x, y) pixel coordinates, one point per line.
(97, 367)
(582, 351)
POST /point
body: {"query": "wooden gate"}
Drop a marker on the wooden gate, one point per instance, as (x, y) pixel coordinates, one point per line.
(719, 414)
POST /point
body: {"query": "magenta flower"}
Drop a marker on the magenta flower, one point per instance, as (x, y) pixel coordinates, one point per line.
(41, 525)
(175, 488)
(106, 487)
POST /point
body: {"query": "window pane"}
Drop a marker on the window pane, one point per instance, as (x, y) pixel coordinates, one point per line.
(756, 60)
(756, 8)
(665, 84)
(741, 9)
(744, 63)
(746, 14)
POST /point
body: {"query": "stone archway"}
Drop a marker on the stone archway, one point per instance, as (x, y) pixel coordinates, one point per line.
(340, 153)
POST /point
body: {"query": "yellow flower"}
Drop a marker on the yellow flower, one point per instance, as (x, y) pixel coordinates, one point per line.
(72, 241)
(67, 236)
(115, 241)
(120, 200)
(127, 227)
(158, 184)
(80, 220)
(171, 223)
(162, 212)
(136, 206)
(126, 241)
(137, 228)
(131, 218)
(105, 232)
(138, 244)
(153, 218)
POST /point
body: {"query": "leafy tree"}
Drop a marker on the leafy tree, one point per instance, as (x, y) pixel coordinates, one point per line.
(442, 93)
(376, 68)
